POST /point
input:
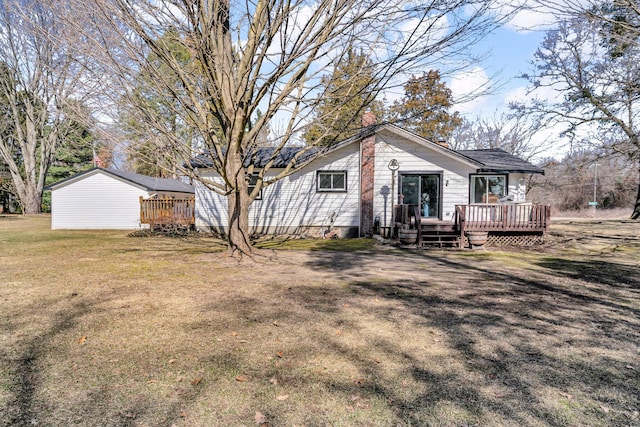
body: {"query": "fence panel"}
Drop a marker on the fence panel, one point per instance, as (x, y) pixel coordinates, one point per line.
(168, 211)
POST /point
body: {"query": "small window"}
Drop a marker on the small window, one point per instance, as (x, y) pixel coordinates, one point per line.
(331, 181)
(253, 180)
(488, 188)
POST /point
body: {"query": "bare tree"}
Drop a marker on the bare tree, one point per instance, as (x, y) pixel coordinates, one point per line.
(592, 60)
(39, 84)
(517, 134)
(268, 55)
(608, 13)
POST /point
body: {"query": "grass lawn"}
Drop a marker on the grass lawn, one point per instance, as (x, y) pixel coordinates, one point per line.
(101, 329)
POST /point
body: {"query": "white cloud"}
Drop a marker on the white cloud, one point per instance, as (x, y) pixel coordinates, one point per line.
(467, 88)
(521, 94)
(539, 15)
(532, 20)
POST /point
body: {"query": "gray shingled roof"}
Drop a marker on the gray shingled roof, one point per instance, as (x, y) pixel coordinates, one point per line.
(263, 155)
(492, 160)
(148, 182)
(498, 160)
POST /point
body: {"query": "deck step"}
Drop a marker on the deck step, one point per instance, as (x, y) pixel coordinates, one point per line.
(440, 238)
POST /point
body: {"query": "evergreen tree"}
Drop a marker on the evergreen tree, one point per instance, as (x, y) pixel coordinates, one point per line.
(424, 109)
(162, 107)
(75, 153)
(348, 88)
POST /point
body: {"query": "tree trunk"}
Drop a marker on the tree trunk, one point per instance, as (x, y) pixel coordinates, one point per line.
(636, 209)
(238, 236)
(32, 204)
(238, 201)
(28, 194)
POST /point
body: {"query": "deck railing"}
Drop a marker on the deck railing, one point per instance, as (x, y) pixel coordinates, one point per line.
(168, 211)
(485, 217)
(503, 217)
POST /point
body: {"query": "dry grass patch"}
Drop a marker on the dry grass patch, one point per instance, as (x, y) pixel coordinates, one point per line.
(98, 328)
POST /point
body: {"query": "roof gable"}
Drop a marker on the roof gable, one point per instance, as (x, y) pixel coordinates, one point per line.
(489, 160)
(286, 154)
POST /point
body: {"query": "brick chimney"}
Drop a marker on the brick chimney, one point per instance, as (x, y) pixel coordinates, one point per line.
(368, 119)
(367, 168)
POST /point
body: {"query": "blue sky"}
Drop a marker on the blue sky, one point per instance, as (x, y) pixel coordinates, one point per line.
(509, 55)
(510, 50)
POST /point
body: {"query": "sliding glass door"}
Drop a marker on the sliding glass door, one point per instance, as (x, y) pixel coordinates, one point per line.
(423, 190)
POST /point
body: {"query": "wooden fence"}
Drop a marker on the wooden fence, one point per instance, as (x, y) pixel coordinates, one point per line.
(168, 211)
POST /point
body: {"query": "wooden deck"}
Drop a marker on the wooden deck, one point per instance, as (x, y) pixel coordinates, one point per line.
(499, 220)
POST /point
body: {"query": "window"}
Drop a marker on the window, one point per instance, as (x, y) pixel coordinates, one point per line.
(253, 180)
(488, 188)
(331, 181)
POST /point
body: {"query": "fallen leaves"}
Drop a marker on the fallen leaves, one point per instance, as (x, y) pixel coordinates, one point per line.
(196, 381)
(282, 397)
(358, 402)
(260, 418)
(82, 340)
(241, 379)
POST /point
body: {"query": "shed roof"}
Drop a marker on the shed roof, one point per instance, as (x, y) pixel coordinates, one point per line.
(147, 182)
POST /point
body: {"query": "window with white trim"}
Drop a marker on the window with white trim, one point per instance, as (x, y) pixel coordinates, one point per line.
(488, 188)
(253, 180)
(331, 181)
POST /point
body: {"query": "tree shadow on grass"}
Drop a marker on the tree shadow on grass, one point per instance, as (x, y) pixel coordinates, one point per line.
(603, 273)
(534, 349)
(26, 364)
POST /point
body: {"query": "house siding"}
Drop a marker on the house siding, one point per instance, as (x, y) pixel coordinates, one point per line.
(292, 204)
(414, 157)
(96, 201)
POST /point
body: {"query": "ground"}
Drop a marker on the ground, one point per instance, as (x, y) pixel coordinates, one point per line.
(101, 329)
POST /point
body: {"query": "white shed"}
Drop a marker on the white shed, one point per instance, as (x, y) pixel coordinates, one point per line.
(107, 199)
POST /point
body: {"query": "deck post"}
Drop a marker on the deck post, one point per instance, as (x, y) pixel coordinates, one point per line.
(418, 217)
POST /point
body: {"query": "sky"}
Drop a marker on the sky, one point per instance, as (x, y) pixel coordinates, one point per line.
(509, 55)
(509, 51)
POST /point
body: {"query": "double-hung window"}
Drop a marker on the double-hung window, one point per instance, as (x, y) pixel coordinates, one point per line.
(331, 181)
(488, 188)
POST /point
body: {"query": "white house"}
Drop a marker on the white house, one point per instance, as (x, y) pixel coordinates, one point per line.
(107, 199)
(351, 188)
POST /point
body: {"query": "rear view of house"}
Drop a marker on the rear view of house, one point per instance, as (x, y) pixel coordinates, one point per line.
(352, 189)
